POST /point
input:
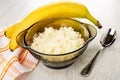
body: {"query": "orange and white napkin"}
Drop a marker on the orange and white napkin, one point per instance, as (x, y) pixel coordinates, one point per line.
(13, 64)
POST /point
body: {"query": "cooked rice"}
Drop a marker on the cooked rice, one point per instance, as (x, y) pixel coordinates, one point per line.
(53, 41)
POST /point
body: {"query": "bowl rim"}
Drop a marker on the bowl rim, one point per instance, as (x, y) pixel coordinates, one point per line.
(38, 53)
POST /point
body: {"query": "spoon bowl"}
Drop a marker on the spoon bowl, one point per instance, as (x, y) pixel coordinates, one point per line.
(109, 38)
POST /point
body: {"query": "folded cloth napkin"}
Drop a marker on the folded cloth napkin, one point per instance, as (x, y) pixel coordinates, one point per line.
(13, 64)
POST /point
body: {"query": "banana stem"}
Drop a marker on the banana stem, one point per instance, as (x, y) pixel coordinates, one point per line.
(94, 21)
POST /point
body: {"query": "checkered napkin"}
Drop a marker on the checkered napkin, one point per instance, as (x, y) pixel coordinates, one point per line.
(13, 64)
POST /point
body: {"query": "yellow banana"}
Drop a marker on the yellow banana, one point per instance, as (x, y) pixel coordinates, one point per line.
(10, 30)
(59, 9)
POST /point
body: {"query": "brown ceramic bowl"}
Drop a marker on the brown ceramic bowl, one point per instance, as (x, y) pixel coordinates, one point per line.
(24, 39)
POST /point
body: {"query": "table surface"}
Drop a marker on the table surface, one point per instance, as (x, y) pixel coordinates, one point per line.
(107, 66)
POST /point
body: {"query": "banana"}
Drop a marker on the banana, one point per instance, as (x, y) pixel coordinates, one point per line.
(10, 30)
(53, 10)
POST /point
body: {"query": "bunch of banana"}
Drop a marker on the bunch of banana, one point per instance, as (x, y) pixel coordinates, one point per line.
(53, 10)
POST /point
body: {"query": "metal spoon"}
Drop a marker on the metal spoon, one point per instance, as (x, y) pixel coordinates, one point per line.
(106, 40)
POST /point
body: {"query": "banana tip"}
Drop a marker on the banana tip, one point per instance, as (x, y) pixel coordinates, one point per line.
(5, 33)
(11, 50)
(99, 24)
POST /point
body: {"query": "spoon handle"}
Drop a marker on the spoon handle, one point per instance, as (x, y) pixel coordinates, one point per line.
(89, 66)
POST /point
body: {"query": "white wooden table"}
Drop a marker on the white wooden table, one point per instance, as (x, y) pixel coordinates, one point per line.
(107, 66)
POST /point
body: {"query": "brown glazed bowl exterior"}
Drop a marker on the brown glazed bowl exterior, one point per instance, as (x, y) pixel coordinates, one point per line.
(57, 61)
